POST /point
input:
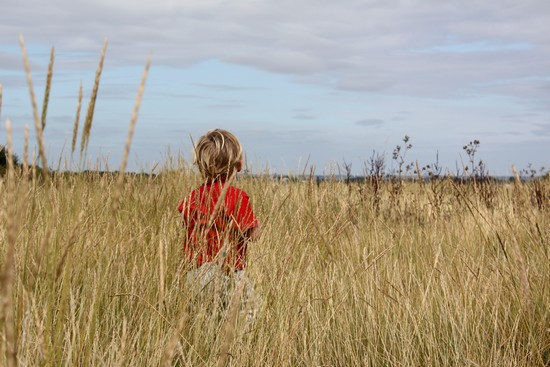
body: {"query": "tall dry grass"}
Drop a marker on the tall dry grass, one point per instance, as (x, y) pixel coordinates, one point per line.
(76, 120)
(48, 88)
(86, 129)
(7, 274)
(37, 121)
(373, 273)
(341, 283)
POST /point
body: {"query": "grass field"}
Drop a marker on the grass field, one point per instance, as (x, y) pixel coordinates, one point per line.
(442, 273)
(379, 272)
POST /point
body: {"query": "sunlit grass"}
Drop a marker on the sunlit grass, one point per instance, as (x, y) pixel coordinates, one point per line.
(380, 272)
(341, 282)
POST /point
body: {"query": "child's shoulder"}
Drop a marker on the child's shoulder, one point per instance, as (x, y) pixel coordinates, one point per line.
(215, 190)
(237, 190)
(236, 195)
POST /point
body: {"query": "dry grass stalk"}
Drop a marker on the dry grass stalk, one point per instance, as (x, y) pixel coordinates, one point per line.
(61, 155)
(418, 172)
(230, 325)
(33, 163)
(162, 245)
(122, 349)
(517, 179)
(26, 152)
(7, 276)
(70, 243)
(37, 123)
(76, 120)
(91, 106)
(523, 276)
(47, 91)
(518, 192)
(168, 354)
(133, 120)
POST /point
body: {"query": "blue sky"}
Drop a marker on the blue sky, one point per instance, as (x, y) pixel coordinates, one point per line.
(323, 81)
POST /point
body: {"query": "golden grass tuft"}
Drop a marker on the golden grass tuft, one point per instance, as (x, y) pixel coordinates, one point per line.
(37, 123)
(47, 90)
(339, 282)
(91, 105)
(133, 121)
(76, 120)
(228, 333)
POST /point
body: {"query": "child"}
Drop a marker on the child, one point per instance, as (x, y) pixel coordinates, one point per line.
(219, 217)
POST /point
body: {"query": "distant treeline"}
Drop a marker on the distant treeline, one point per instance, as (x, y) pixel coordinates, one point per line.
(390, 177)
(374, 169)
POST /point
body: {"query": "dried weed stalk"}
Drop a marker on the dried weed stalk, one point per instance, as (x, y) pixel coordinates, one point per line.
(76, 120)
(37, 123)
(91, 106)
(47, 91)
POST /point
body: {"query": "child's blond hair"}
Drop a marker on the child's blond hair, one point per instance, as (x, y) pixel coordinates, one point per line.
(218, 153)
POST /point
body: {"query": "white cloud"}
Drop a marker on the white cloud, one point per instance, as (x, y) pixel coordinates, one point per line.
(356, 45)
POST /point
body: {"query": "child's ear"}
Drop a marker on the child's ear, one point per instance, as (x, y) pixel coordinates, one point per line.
(239, 166)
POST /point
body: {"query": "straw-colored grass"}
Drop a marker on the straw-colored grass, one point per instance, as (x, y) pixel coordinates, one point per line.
(37, 121)
(7, 273)
(131, 129)
(86, 129)
(76, 120)
(26, 151)
(373, 273)
(341, 283)
(48, 88)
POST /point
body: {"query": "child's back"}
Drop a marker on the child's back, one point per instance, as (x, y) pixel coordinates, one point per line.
(219, 217)
(211, 230)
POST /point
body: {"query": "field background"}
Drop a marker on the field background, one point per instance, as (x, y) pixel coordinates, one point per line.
(429, 270)
(366, 273)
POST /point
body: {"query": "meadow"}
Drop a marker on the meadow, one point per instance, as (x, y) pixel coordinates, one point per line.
(430, 270)
(97, 274)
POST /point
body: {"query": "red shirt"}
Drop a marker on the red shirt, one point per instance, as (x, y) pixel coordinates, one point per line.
(231, 225)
